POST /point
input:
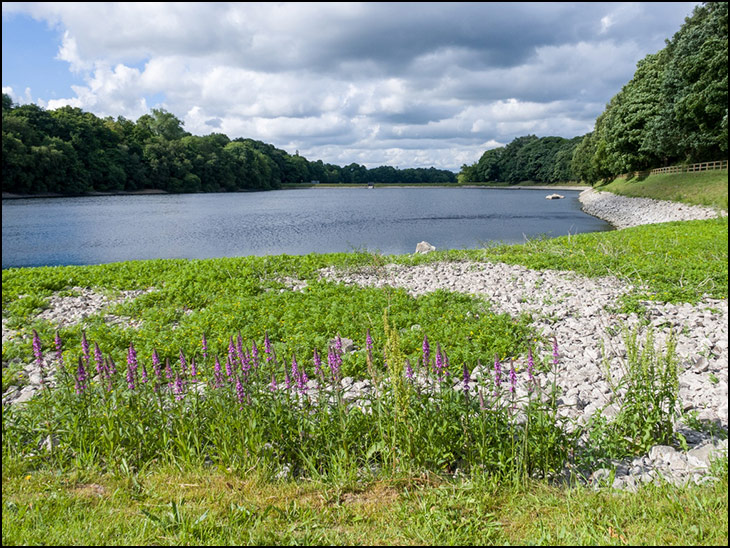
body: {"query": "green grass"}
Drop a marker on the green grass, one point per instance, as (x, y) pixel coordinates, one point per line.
(212, 507)
(706, 188)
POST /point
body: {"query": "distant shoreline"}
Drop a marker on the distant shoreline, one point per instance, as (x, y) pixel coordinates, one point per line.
(13, 196)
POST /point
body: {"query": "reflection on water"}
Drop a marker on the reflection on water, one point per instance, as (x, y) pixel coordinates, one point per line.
(92, 230)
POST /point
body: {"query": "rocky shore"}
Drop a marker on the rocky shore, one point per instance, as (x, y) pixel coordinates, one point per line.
(624, 212)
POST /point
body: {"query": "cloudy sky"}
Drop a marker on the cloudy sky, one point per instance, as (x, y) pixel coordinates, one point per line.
(402, 84)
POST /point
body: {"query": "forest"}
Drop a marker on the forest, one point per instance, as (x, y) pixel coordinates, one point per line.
(673, 111)
(72, 152)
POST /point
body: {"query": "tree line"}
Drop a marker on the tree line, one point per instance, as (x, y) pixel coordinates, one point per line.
(673, 111)
(70, 151)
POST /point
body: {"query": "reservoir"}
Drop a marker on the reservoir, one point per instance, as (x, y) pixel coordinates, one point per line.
(105, 229)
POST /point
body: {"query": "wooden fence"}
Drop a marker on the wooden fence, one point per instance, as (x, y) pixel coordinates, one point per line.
(704, 166)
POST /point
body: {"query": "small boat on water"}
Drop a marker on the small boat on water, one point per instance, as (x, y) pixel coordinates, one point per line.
(554, 197)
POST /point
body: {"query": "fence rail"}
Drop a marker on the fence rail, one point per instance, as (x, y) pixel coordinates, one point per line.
(704, 166)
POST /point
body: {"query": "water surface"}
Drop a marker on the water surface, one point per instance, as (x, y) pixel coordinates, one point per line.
(104, 229)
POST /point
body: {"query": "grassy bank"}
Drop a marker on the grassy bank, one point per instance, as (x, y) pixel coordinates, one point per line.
(706, 188)
(158, 464)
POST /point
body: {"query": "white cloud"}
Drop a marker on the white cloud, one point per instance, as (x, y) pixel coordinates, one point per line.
(403, 84)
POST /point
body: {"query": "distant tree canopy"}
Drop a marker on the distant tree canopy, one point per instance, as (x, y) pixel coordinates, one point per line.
(69, 151)
(674, 110)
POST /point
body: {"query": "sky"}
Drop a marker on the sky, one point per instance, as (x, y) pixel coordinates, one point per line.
(400, 84)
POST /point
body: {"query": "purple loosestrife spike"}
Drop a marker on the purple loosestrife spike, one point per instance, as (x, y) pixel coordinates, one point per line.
(168, 370)
(217, 373)
(193, 368)
(512, 377)
(287, 379)
(497, 374)
(85, 347)
(272, 385)
(267, 347)
(530, 367)
(439, 364)
(144, 374)
(98, 359)
(338, 345)
(179, 388)
(156, 364)
(255, 355)
(239, 345)
(369, 345)
(426, 353)
(409, 370)
(229, 369)
(318, 366)
(466, 378)
(112, 367)
(556, 355)
(131, 376)
(231, 349)
(183, 363)
(59, 349)
(240, 393)
(205, 347)
(80, 377)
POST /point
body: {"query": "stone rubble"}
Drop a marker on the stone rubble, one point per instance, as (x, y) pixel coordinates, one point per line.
(624, 212)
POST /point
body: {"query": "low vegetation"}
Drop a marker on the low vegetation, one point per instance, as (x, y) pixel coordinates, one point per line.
(707, 188)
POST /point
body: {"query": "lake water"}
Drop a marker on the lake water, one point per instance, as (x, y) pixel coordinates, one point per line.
(94, 230)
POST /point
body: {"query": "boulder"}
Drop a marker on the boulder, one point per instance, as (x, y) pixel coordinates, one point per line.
(424, 247)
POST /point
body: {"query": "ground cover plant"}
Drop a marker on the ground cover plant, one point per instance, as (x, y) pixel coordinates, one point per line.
(706, 188)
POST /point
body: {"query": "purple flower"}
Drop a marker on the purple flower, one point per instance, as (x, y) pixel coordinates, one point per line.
(168, 370)
(512, 378)
(183, 363)
(85, 347)
(334, 361)
(466, 378)
(205, 347)
(556, 356)
(156, 364)
(497, 374)
(409, 370)
(193, 367)
(217, 374)
(267, 347)
(426, 353)
(255, 355)
(178, 388)
(231, 349)
(59, 349)
(112, 367)
(318, 366)
(229, 369)
(338, 344)
(98, 358)
(144, 374)
(272, 385)
(80, 377)
(131, 367)
(369, 345)
(299, 375)
(240, 393)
